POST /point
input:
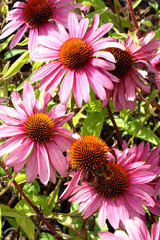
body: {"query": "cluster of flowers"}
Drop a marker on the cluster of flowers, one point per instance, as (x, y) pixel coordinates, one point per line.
(79, 58)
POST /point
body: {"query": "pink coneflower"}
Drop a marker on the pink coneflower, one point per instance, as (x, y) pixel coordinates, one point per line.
(76, 59)
(87, 155)
(119, 189)
(38, 15)
(136, 230)
(36, 137)
(132, 66)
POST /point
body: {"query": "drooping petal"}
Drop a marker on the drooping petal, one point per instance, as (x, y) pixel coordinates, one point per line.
(43, 163)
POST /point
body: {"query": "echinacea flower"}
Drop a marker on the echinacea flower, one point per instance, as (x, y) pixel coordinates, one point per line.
(76, 60)
(87, 155)
(136, 230)
(36, 137)
(37, 15)
(119, 190)
(132, 67)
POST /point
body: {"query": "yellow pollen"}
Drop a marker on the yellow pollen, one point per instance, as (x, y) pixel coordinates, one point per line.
(88, 153)
(75, 53)
(113, 181)
(37, 12)
(123, 61)
(39, 127)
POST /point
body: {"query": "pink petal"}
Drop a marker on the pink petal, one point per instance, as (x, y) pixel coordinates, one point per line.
(102, 213)
(17, 37)
(112, 214)
(11, 144)
(73, 26)
(43, 163)
(19, 154)
(18, 167)
(66, 86)
(83, 25)
(29, 97)
(83, 84)
(11, 29)
(57, 158)
(57, 111)
(71, 186)
(63, 142)
(32, 165)
(32, 41)
(107, 236)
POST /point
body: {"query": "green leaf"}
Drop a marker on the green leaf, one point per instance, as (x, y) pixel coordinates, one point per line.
(144, 133)
(13, 52)
(5, 44)
(157, 126)
(46, 236)
(151, 97)
(77, 117)
(135, 4)
(31, 188)
(65, 220)
(93, 123)
(23, 43)
(17, 65)
(147, 23)
(5, 69)
(23, 221)
(154, 5)
(24, 208)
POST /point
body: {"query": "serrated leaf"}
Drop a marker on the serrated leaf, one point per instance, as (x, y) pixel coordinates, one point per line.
(17, 65)
(23, 221)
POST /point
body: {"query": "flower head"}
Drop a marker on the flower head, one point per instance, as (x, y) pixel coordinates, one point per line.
(37, 15)
(132, 66)
(76, 60)
(136, 229)
(119, 190)
(36, 137)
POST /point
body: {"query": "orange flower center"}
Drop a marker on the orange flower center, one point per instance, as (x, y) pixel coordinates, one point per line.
(88, 153)
(75, 53)
(39, 127)
(37, 12)
(123, 61)
(113, 181)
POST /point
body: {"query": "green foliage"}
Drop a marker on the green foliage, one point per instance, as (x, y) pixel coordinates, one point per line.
(17, 65)
(22, 220)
